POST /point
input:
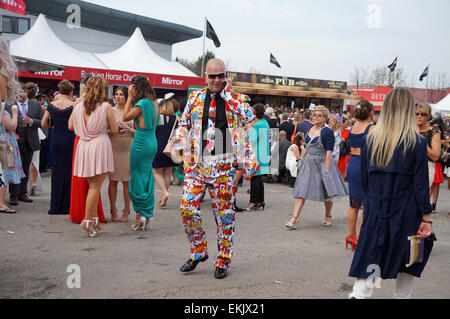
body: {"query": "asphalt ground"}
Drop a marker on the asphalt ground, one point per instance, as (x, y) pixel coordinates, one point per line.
(41, 255)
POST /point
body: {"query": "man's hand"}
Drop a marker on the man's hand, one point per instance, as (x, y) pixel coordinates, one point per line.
(27, 121)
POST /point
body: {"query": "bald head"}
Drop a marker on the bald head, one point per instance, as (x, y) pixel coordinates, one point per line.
(215, 75)
(215, 65)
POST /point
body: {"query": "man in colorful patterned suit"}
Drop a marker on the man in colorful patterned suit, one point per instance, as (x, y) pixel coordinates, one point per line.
(212, 132)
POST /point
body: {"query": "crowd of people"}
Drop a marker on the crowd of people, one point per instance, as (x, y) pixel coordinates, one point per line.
(223, 140)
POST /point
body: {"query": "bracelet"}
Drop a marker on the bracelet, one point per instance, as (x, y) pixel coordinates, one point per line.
(428, 222)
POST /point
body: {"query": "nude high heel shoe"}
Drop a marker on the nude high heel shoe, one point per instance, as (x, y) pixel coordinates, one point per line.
(292, 225)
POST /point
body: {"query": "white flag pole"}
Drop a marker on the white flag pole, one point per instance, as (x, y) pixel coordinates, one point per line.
(203, 55)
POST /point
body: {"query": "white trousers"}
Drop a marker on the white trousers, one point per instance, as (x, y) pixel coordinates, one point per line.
(431, 172)
(403, 288)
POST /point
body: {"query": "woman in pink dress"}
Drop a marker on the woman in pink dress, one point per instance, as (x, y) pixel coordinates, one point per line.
(94, 158)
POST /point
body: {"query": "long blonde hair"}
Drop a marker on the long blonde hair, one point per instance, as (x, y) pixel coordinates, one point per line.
(96, 93)
(396, 125)
(9, 70)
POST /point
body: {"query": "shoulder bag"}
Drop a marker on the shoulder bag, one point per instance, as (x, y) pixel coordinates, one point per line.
(6, 149)
(175, 155)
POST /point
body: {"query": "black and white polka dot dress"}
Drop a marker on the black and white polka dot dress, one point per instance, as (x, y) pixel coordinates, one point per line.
(313, 181)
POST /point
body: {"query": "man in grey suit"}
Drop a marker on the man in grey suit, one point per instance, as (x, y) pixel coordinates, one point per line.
(29, 119)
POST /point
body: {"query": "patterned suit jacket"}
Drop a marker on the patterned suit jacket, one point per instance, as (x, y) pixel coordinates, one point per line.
(238, 113)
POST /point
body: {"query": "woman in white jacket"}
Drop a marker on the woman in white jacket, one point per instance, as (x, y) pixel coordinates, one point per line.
(295, 153)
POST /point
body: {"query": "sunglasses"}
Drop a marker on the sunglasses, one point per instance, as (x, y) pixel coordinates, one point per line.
(422, 114)
(221, 76)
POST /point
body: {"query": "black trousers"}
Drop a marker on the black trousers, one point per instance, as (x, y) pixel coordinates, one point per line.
(26, 155)
(42, 158)
(257, 190)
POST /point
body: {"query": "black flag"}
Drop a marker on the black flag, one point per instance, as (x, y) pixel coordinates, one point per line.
(274, 61)
(424, 74)
(211, 34)
(393, 65)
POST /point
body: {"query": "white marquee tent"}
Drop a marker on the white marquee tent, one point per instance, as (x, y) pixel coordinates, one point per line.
(443, 106)
(40, 43)
(136, 56)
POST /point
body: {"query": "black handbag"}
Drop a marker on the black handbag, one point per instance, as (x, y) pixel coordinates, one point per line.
(344, 148)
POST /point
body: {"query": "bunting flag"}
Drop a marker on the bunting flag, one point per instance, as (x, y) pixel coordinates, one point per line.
(17, 6)
(393, 65)
(424, 74)
(211, 34)
(274, 61)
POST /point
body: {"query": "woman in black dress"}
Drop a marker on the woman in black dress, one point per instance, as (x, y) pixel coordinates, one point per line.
(61, 148)
(163, 165)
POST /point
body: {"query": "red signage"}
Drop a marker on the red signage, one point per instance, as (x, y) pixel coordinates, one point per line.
(377, 96)
(118, 77)
(16, 6)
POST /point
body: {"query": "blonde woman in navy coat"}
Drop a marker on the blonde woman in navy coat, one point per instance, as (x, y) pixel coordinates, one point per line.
(394, 173)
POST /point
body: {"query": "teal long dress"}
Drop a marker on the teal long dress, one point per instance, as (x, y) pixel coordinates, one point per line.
(259, 137)
(143, 150)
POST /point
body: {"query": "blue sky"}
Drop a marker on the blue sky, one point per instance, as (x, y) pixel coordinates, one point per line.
(320, 39)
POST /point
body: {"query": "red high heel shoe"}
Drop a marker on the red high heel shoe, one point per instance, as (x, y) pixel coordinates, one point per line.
(349, 240)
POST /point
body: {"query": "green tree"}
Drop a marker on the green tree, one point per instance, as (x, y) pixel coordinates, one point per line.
(196, 65)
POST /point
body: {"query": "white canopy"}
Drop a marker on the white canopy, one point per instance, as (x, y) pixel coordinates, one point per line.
(443, 106)
(42, 44)
(136, 56)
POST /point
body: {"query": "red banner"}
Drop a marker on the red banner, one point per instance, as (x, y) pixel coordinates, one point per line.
(376, 97)
(17, 6)
(117, 77)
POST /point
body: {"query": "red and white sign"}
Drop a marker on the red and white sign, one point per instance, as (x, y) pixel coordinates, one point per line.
(376, 97)
(117, 77)
(17, 6)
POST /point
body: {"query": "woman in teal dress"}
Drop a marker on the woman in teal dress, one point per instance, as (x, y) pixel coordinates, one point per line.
(259, 137)
(142, 184)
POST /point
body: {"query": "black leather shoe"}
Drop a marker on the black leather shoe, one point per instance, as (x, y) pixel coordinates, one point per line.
(191, 264)
(25, 198)
(220, 273)
(13, 201)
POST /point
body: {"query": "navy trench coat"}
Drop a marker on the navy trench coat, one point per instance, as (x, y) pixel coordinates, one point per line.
(397, 199)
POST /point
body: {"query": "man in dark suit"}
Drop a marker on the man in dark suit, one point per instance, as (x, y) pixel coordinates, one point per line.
(29, 119)
(283, 149)
(306, 124)
(286, 126)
